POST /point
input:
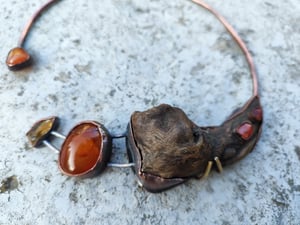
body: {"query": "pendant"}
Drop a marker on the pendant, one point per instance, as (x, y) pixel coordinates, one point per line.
(164, 147)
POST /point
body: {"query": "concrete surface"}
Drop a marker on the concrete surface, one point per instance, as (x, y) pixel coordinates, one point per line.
(102, 60)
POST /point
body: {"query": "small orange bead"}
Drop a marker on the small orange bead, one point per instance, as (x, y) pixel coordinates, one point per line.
(245, 131)
(17, 58)
(81, 150)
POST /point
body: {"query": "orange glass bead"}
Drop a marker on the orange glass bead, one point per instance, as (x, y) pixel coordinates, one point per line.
(81, 150)
(245, 131)
(17, 58)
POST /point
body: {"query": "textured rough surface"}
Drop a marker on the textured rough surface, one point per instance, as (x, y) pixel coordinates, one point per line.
(170, 145)
(102, 60)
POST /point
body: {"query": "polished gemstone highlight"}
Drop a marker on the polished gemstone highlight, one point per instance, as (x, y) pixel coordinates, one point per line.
(245, 131)
(81, 150)
(17, 58)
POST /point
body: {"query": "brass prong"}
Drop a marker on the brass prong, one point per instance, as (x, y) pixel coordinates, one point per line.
(208, 169)
(219, 164)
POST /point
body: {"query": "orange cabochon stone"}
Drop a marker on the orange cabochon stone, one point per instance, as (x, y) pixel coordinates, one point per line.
(17, 57)
(81, 150)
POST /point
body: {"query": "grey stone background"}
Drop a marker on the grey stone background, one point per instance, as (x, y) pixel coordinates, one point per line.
(102, 60)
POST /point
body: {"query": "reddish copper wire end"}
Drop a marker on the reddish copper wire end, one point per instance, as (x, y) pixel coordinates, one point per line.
(32, 20)
(18, 58)
(238, 40)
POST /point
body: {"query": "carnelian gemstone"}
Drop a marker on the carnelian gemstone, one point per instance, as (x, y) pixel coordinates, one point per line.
(81, 150)
(245, 131)
(17, 58)
(257, 114)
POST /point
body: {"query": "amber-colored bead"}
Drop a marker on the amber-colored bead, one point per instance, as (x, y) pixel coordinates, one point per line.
(245, 131)
(41, 130)
(17, 58)
(257, 114)
(81, 150)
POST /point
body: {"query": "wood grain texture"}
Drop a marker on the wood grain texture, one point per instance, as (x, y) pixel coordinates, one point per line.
(171, 145)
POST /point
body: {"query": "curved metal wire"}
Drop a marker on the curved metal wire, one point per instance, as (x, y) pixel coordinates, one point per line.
(29, 24)
(238, 40)
(229, 28)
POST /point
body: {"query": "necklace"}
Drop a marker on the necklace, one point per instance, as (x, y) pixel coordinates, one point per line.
(165, 148)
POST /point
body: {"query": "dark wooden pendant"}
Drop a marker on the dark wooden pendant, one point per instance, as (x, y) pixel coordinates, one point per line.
(168, 148)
